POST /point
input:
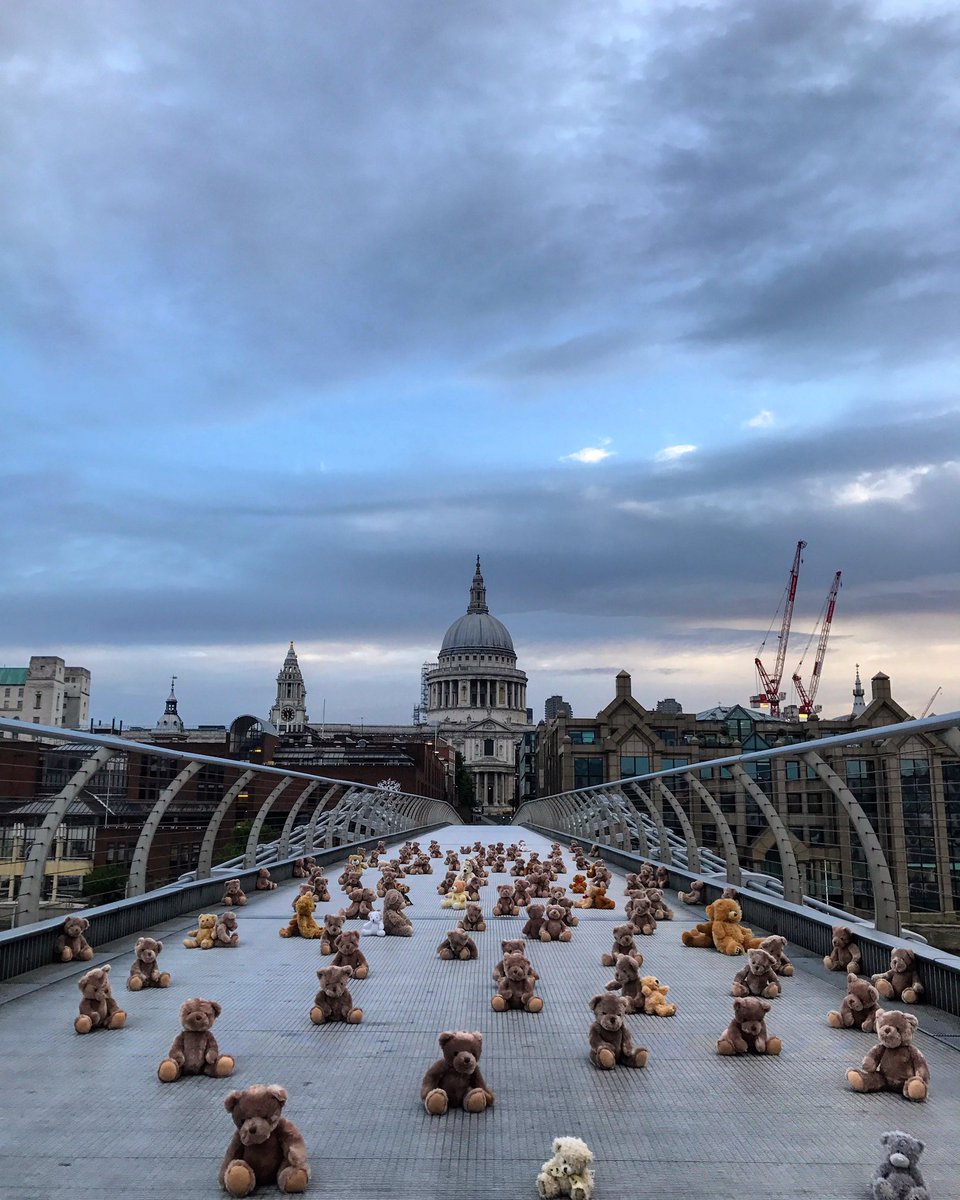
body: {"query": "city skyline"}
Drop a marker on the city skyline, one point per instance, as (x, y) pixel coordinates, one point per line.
(302, 310)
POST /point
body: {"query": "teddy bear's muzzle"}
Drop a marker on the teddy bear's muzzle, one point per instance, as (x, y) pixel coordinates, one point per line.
(254, 1131)
(899, 1160)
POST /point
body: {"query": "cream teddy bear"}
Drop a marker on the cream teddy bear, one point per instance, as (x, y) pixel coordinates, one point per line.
(568, 1172)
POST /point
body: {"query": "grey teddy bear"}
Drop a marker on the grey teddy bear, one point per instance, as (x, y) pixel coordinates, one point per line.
(898, 1176)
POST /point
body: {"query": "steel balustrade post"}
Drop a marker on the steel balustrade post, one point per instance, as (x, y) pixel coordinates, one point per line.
(137, 882)
(665, 853)
(693, 851)
(732, 859)
(205, 862)
(283, 847)
(635, 825)
(792, 887)
(250, 854)
(885, 915)
(31, 884)
(611, 799)
(320, 810)
(338, 817)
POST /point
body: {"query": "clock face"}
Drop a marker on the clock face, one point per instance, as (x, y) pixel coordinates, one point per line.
(287, 714)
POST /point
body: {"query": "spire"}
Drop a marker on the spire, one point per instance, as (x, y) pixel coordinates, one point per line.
(291, 655)
(478, 593)
(171, 719)
(859, 704)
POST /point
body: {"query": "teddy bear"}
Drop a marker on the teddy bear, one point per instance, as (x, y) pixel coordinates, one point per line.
(901, 982)
(775, 946)
(435, 851)
(144, 971)
(747, 1031)
(859, 1007)
(299, 869)
(626, 980)
(333, 1001)
(845, 955)
(661, 909)
(446, 883)
(757, 977)
(362, 901)
(329, 932)
(596, 897)
(662, 878)
(568, 1172)
(387, 881)
(455, 1079)
(457, 895)
(655, 1002)
(233, 894)
(894, 1064)
(522, 894)
(302, 923)
(472, 920)
(395, 922)
(898, 1176)
(266, 1147)
(264, 882)
(722, 930)
(225, 934)
(201, 938)
(578, 885)
(570, 918)
(458, 944)
(696, 893)
(195, 1050)
(554, 928)
(349, 878)
(320, 886)
(350, 955)
(624, 942)
(640, 914)
(609, 1038)
(534, 923)
(510, 946)
(515, 989)
(373, 926)
(71, 944)
(98, 1009)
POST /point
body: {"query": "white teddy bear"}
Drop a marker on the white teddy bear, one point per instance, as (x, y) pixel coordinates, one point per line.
(568, 1172)
(374, 924)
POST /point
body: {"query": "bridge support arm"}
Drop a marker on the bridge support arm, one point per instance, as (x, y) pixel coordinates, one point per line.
(732, 859)
(792, 888)
(137, 883)
(693, 851)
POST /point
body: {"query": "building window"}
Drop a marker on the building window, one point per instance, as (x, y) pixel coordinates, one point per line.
(37, 698)
(793, 768)
(667, 763)
(918, 824)
(583, 737)
(634, 764)
(488, 747)
(587, 772)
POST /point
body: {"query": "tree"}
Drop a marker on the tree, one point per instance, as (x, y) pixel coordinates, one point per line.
(463, 781)
(106, 883)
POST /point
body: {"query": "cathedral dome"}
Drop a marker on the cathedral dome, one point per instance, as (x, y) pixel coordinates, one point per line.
(477, 629)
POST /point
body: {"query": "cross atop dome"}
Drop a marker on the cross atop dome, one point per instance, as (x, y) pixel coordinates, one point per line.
(478, 593)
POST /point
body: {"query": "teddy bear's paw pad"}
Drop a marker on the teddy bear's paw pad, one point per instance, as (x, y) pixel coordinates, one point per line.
(239, 1179)
(225, 1065)
(168, 1071)
(436, 1102)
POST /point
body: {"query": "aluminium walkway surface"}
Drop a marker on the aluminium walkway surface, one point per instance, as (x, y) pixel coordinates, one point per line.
(86, 1116)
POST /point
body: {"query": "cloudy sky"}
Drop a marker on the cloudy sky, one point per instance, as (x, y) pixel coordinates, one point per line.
(304, 305)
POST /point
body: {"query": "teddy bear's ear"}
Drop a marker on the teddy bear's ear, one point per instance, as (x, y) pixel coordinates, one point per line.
(592, 1004)
(106, 967)
(278, 1093)
(232, 1100)
(217, 1010)
(84, 924)
(911, 1020)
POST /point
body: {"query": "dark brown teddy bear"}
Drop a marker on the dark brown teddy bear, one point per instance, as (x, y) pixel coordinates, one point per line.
(362, 901)
(610, 1041)
(660, 908)
(626, 980)
(516, 987)
(71, 944)
(195, 1050)
(747, 1031)
(901, 982)
(510, 946)
(395, 922)
(859, 1007)
(299, 869)
(225, 935)
(350, 955)
(264, 882)
(333, 1001)
(534, 923)
(144, 971)
(458, 944)
(266, 1148)
(472, 920)
(505, 905)
(894, 1064)
(623, 943)
(845, 955)
(554, 928)
(757, 978)
(775, 945)
(98, 1009)
(332, 928)
(320, 885)
(695, 895)
(233, 894)
(455, 1081)
(640, 915)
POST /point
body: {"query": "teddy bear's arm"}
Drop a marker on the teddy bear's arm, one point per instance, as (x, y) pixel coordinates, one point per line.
(433, 1077)
(292, 1143)
(176, 1051)
(234, 1150)
(919, 1064)
(211, 1051)
(872, 1058)
(477, 1081)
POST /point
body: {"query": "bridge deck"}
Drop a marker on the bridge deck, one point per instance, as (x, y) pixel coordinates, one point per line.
(87, 1116)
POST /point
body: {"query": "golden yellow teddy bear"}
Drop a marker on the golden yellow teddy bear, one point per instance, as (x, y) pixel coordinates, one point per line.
(655, 1002)
(722, 930)
(201, 938)
(302, 923)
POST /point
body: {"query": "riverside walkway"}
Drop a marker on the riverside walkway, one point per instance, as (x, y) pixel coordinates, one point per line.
(86, 1116)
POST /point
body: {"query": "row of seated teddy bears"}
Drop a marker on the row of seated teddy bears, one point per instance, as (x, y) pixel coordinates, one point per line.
(893, 1064)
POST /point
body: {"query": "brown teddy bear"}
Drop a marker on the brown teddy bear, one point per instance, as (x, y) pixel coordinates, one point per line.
(233, 894)
(195, 1050)
(445, 884)
(264, 882)
(266, 1147)
(320, 886)
(894, 1064)
(332, 928)
(554, 928)
(696, 893)
(845, 955)
(640, 914)
(458, 944)
(757, 978)
(534, 923)
(435, 851)
(362, 901)
(655, 1002)
(775, 945)
(98, 1009)
(225, 934)
(455, 1079)
(302, 923)
(510, 946)
(201, 938)
(859, 1007)
(610, 1041)
(144, 971)
(901, 982)
(722, 930)
(71, 945)
(623, 943)
(333, 1001)
(299, 869)
(515, 988)
(395, 922)
(747, 1031)
(472, 920)
(350, 955)
(626, 980)
(596, 897)
(578, 885)
(660, 908)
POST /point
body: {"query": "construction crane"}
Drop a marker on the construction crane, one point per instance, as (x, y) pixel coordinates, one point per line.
(770, 694)
(930, 701)
(807, 706)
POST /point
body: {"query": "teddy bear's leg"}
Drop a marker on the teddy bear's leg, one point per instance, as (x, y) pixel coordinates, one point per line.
(354, 1016)
(738, 989)
(293, 1179)
(608, 960)
(774, 1046)
(865, 1081)
(238, 1178)
(828, 962)
(604, 1058)
(909, 995)
(915, 1089)
(547, 1186)
(534, 1004)
(835, 1019)
(436, 1102)
(83, 1024)
(135, 983)
(446, 954)
(498, 1003)
(66, 954)
(85, 954)
(117, 1020)
(692, 937)
(191, 943)
(168, 1071)
(771, 991)
(565, 936)
(316, 1015)
(578, 1190)
(222, 1067)
(475, 1101)
(464, 954)
(164, 980)
(787, 970)
(726, 1045)
(361, 972)
(635, 1058)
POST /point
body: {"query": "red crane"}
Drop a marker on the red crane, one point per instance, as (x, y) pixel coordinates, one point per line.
(807, 707)
(770, 694)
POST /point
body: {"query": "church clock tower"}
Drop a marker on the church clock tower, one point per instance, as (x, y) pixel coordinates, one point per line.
(289, 712)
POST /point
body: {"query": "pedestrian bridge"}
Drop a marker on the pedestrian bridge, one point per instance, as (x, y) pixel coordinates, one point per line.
(86, 1116)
